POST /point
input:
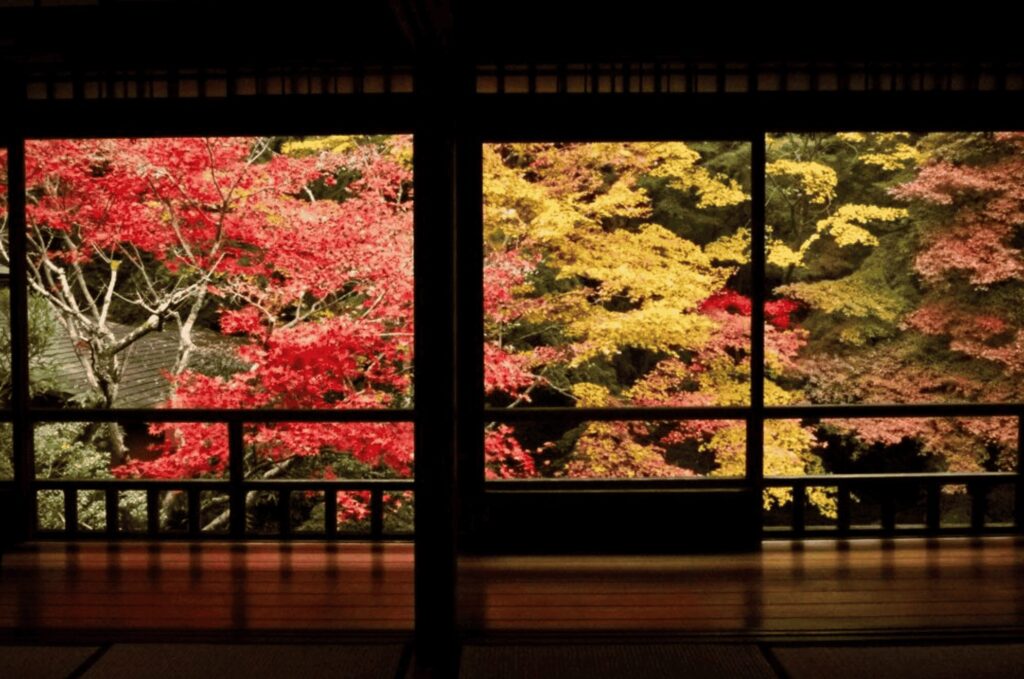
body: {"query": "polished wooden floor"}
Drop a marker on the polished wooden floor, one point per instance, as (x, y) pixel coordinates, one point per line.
(787, 589)
(173, 588)
(814, 588)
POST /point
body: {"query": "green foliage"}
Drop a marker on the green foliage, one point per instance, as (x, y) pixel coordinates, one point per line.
(632, 255)
(42, 327)
(920, 301)
(616, 250)
(67, 450)
(6, 452)
(864, 306)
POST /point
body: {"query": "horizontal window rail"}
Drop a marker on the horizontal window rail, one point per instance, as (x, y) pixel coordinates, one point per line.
(808, 412)
(220, 484)
(212, 416)
(617, 484)
(504, 415)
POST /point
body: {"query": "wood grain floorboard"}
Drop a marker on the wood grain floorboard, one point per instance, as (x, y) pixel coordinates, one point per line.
(184, 587)
(787, 588)
(820, 585)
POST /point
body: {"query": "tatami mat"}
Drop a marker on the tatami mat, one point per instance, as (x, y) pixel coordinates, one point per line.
(595, 661)
(997, 661)
(176, 661)
(42, 662)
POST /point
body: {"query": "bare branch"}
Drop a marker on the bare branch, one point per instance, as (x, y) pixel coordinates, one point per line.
(108, 296)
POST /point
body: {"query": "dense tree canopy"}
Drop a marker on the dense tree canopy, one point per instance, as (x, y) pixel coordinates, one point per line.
(301, 250)
(619, 273)
(922, 304)
(612, 279)
(615, 274)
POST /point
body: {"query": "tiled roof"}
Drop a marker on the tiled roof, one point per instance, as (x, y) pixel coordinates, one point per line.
(143, 383)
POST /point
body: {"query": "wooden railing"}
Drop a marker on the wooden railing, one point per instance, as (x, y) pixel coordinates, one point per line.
(234, 485)
(886, 488)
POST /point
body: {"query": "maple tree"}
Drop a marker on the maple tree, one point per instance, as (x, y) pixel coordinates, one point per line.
(150, 225)
(615, 274)
(612, 278)
(301, 249)
(918, 302)
(328, 317)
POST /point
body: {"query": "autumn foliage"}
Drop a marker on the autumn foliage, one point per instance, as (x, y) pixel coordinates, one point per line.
(920, 307)
(615, 274)
(894, 276)
(300, 257)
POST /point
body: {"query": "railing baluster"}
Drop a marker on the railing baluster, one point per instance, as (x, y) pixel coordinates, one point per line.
(376, 513)
(193, 512)
(330, 512)
(799, 504)
(979, 504)
(933, 511)
(236, 472)
(71, 510)
(888, 508)
(284, 503)
(152, 511)
(110, 496)
(843, 509)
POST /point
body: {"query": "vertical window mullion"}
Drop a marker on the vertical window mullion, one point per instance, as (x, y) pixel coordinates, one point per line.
(470, 323)
(1019, 490)
(755, 421)
(22, 427)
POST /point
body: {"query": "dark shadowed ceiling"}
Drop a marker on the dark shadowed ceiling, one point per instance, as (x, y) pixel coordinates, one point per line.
(163, 32)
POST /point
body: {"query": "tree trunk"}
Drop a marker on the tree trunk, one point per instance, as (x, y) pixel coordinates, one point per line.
(185, 344)
(108, 377)
(224, 518)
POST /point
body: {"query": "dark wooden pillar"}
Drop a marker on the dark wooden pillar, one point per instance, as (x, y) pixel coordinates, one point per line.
(18, 527)
(436, 651)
